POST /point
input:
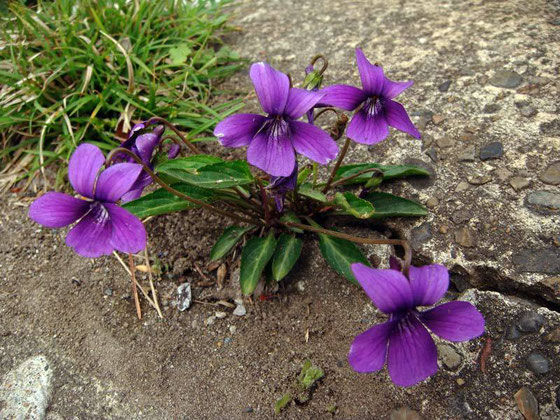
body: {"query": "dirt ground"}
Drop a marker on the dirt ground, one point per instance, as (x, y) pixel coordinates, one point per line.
(107, 364)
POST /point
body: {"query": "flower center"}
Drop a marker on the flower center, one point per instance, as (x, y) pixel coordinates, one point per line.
(276, 127)
(373, 106)
(99, 212)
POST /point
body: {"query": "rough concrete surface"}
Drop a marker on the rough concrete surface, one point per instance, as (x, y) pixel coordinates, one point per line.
(486, 101)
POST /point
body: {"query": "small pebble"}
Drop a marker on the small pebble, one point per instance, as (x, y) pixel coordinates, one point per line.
(438, 119)
(512, 333)
(503, 174)
(432, 202)
(232, 329)
(479, 179)
(518, 183)
(444, 87)
(554, 336)
(538, 363)
(460, 381)
(530, 322)
(240, 310)
(467, 154)
(462, 186)
(527, 403)
(210, 320)
(506, 79)
(445, 142)
(108, 292)
(464, 237)
(220, 315)
(228, 340)
(551, 175)
(493, 150)
(449, 356)
(443, 229)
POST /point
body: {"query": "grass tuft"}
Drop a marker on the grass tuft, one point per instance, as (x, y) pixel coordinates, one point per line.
(84, 70)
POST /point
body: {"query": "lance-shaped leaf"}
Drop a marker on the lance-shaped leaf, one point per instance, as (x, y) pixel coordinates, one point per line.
(353, 205)
(340, 254)
(227, 241)
(163, 202)
(389, 172)
(389, 205)
(254, 258)
(215, 176)
(291, 217)
(306, 189)
(286, 255)
(190, 162)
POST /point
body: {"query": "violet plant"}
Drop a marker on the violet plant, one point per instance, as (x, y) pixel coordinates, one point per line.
(274, 197)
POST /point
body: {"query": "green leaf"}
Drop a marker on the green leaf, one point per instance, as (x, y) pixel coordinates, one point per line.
(303, 175)
(189, 163)
(254, 258)
(353, 205)
(227, 241)
(282, 403)
(215, 176)
(309, 374)
(287, 253)
(389, 205)
(179, 54)
(291, 217)
(389, 172)
(163, 202)
(306, 189)
(340, 254)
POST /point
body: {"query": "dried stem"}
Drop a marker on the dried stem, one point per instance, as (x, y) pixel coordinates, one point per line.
(356, 239)
(154, 293)
(338, 163)
(184, 140)
(134, 289)
(179, 193)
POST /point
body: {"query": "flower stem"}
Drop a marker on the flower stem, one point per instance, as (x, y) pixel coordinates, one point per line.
(184, 140)
(357, 174)
(367, 241)
(179, 193)
(338, 163)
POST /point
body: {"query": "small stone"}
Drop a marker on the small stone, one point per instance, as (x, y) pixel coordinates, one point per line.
(467, 154)
(491, 108)
(554, 336)
(248, 410)
(108, 292)
(220, 315)
(530, 322)
(432, 202)
(543, 202)
(503, 174)
(449, 356)
(438, 119)
(479, 179)
(432, 154)
(443, 229)
(228, 340)
(460, 381)
(527, 404)
(462, 186)
(301, 286)
(240, 310)
(461, 216)
(445, 142)
(493, 150)
(25, 390)
(518, 183)
(420, 235)
(506, 79)
(528, 111)
(512, 333)
(551, 175)
(210, 320)
(181, 265)
(444, 87)
(464, 237)
(537, 260)
(232, 329)
(184, 297)
(538, 363)
(405, 413)
(551, 128)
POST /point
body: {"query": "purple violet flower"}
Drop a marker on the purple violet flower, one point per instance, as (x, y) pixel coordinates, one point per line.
(404, 340)
(143, 145)
(281, 185)
(376, 110)
(102, 225)
(274, 139)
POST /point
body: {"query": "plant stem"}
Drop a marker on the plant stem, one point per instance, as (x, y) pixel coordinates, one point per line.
(356, 239)
(357, 174)
(338, 163)
(179, 193)
(134, 290)
(184, 140)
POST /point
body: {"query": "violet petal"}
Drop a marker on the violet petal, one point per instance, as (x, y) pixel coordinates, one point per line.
(128, 234)
(367, 129)
(369, 349)
(343, 96)
(91, 237)
(428, 283)
(116, 180)
(388, 289)
(313, 142)
(55, 210)
(396, 117)
(393, 89)
(83, 168)
(274, 155)
(300, 101)
(272, 87)
(372, 76)
(412, 355)
(239, 129)
(454, 321)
